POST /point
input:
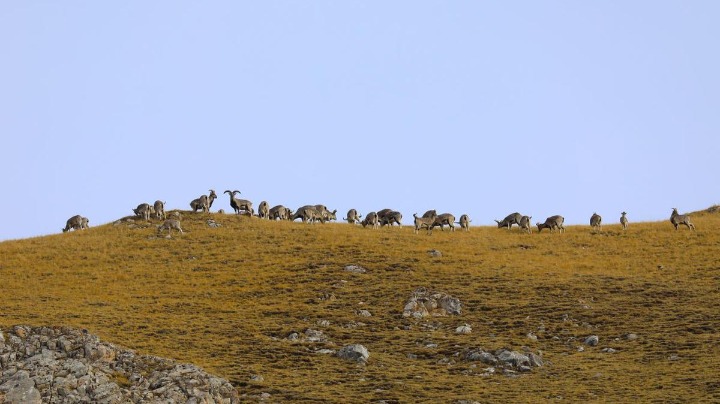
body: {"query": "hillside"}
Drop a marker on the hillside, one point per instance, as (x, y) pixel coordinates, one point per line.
(228, 298)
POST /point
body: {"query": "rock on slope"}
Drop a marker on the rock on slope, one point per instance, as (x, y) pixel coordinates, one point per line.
(60, 364)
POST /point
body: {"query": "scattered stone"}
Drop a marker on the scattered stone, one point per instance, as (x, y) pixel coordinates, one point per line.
(531, 336)
(435, 253)
(482, 356)
(213, 224)
(608, 350)
(71, 365)
(355, 352)
(364, 313)
(355, 269)
(314, 336)
(323, 323)
(631, 337)
(592, 340)
(513, 358)
(257, 378)
(326, 351)
(464, 329)
(673, 358)
(535, 360)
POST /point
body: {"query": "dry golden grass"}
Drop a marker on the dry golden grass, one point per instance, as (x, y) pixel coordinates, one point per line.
(226, 298)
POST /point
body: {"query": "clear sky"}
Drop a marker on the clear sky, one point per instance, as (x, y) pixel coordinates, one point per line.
(477, 107)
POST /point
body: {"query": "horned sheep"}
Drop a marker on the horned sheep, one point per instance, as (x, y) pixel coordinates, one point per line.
(204, 202)
(239, 204)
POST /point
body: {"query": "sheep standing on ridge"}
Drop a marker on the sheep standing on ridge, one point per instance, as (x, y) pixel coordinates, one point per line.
(596, 221)
(465, 222)
(204, 202)
(159, 208)
(624, 221)
(678, 219)
(264, 210)
(76, 222)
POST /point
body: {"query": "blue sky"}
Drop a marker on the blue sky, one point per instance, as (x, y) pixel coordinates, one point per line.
(483, 108)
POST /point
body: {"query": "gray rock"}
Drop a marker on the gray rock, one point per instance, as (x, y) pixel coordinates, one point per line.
(464, 329)
(535, 360)
(72, 365)
(512, 358)
(355, 269)
(355, 352)
(435, 253)
(482, 356)
(592, 340)
(20, 389)
(424, 302)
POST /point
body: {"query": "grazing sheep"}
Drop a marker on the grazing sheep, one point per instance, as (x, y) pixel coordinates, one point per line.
(352, 216)
(279, 212)
(525, 224)
(305, 213)
(323, 214)
(372, 220)
(143, 210)
(204, 202)
(159, 208)
(391, 218)
(511, 219)
(445, 219)
(264, 210)
(425, 221)
(170, 224)
(624, 221)
(596, 221)
(465, 222)
(76, 222)
(552, 223)
(677, 219)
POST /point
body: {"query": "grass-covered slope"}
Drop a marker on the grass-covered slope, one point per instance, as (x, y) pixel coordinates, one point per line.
(226, 299)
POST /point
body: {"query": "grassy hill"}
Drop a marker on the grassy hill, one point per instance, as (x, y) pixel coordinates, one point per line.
(227, 298)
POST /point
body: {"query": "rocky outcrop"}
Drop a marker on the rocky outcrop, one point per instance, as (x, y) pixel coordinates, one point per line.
(424, 302)
(61, 364)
